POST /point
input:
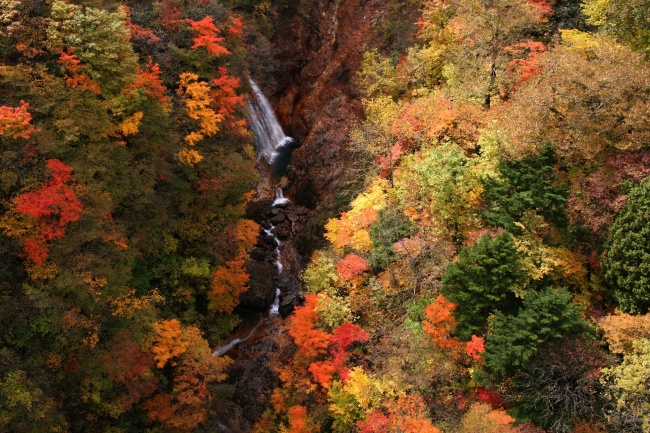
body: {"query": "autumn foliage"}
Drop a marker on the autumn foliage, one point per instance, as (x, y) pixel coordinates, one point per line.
(168, 343)
(310, 340)
(475, 347)
(351, 266)
(340, 341)
(53, 207)
(206, 36)
(16, 122)
(197, 107)
(298, 420)
(76, 77)
(440, 323)
(228, 282)
(119, 261)
(406, 415)
(185, 407)
(149, 81)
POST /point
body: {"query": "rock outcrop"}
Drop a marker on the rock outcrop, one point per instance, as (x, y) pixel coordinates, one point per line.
(318, 55)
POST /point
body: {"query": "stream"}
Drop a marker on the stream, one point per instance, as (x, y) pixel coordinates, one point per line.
(258, 344)
(275, 147)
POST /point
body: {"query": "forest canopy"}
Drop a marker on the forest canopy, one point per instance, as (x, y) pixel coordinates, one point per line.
(489, 273)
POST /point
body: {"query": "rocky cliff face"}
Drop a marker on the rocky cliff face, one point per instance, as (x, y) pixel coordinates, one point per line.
(318, 55)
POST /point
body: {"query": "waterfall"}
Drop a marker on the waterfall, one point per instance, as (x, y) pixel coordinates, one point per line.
(279, 198)
(270, 141)
(274, 309)
(222, 350)
(275, 306)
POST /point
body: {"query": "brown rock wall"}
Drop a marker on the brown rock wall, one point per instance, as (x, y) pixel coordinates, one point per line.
(318, 55)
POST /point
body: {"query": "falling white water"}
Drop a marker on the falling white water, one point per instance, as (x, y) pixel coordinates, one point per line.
(275, 307)
(280, 198)
(269, 232)
(266, 128)
(278, 263)
(222, 350)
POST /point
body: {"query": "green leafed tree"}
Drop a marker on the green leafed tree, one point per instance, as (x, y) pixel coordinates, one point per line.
(99, 38)
(525, 184)
(544, 317)
(391, 226)
(444, 184)
(626, 262)
(480, 282)
(628, 20)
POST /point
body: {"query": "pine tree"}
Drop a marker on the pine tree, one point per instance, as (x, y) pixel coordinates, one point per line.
(626, 262)
(545, 316)
(480, 282)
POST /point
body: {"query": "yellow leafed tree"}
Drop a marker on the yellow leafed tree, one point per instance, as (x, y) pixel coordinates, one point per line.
(197, 107)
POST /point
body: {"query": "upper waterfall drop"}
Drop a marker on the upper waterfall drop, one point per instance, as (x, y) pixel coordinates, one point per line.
(270, 140)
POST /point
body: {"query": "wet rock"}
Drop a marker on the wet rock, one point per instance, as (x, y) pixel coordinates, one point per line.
(254, 378)
(278, 218)
(258, 254)
(287, 304)
(283, 231)
(256, 210)
(276, 211)
(261, 290)
(293, 217)
(269, 240)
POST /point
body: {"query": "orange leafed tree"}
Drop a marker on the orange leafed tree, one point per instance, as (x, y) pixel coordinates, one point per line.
(298, 422)
(323, 372)
(525, 67)
(342, 338)
(310, 341)
(474, 348)
(621, 330)
(406, 415)
(224, 93)
(228, 283)
(226, 100)
(16, 122)
(197, 107)
(246, 232)
(352, 266)
(76, 78)
(206, 36)
(53, 207)
(149, 81)
(340, 341)
(482, 418)
(187, 405)
(427, 118)
(440, 322)
(168, 343)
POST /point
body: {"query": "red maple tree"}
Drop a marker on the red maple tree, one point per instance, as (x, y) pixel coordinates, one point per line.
(76, 77)
(206, 36)
(53, 207)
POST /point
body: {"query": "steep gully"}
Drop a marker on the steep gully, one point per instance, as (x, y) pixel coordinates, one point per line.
(316, 53)
(257, 340)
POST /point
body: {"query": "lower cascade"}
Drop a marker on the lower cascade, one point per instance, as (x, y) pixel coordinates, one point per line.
(275, 147)
(275, 275)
